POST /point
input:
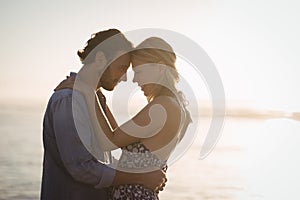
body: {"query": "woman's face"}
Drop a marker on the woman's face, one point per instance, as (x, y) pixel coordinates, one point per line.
(146, 75)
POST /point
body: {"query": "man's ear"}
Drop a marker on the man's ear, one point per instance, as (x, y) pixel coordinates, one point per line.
(100, 59)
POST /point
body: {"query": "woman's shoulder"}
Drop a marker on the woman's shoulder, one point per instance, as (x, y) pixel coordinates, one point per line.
(170, 104)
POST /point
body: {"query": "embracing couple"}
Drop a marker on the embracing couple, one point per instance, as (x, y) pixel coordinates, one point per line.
(79, 130)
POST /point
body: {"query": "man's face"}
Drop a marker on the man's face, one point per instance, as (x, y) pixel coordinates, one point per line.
(112, 75)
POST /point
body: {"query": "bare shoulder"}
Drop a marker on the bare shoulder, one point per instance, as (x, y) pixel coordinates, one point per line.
(158, 108)
(169, 130)
(169, 103)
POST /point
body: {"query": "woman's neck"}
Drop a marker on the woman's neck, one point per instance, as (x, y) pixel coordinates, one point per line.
(162, 92)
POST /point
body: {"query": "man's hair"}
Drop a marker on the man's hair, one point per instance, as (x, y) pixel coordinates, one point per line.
(109, 42)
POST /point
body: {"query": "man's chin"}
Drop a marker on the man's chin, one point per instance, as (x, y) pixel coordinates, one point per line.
(109, 88)
(110, 85)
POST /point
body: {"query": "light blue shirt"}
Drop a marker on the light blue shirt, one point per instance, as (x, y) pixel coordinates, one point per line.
(62, 143)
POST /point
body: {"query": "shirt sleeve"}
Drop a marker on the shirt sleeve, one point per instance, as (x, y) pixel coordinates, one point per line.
(79, 162)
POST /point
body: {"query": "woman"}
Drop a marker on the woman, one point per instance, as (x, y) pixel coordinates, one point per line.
(148, 139)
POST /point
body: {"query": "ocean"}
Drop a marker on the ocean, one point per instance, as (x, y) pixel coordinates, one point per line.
(254, 159)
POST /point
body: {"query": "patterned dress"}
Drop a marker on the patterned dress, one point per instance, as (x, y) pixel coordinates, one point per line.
(136, 157)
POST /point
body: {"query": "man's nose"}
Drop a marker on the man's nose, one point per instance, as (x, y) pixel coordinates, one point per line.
(123, 78)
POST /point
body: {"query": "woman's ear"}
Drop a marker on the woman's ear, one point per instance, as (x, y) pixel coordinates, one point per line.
(100, 59)
(162, 67)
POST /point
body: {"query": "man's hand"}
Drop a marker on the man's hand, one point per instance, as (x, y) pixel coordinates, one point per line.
(155, 180)
(67, 83)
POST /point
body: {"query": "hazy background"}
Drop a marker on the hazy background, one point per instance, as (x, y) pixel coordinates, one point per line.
(254, 44)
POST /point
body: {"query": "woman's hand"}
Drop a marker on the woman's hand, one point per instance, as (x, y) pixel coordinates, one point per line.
(68, 83)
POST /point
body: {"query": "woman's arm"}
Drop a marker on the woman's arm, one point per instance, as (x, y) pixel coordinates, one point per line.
(113, 123)
(146, 125)
(119, 138)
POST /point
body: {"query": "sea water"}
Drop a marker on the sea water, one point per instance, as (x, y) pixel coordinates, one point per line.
(254, 159)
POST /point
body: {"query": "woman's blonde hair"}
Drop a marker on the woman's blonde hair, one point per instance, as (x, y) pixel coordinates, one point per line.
(156, 50)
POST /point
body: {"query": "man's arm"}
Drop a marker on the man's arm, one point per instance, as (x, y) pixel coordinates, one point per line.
(79, 162)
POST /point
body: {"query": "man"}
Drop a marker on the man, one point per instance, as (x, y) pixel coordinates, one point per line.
(71, 171)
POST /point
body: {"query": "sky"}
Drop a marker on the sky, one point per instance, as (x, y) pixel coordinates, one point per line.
(254, 44)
